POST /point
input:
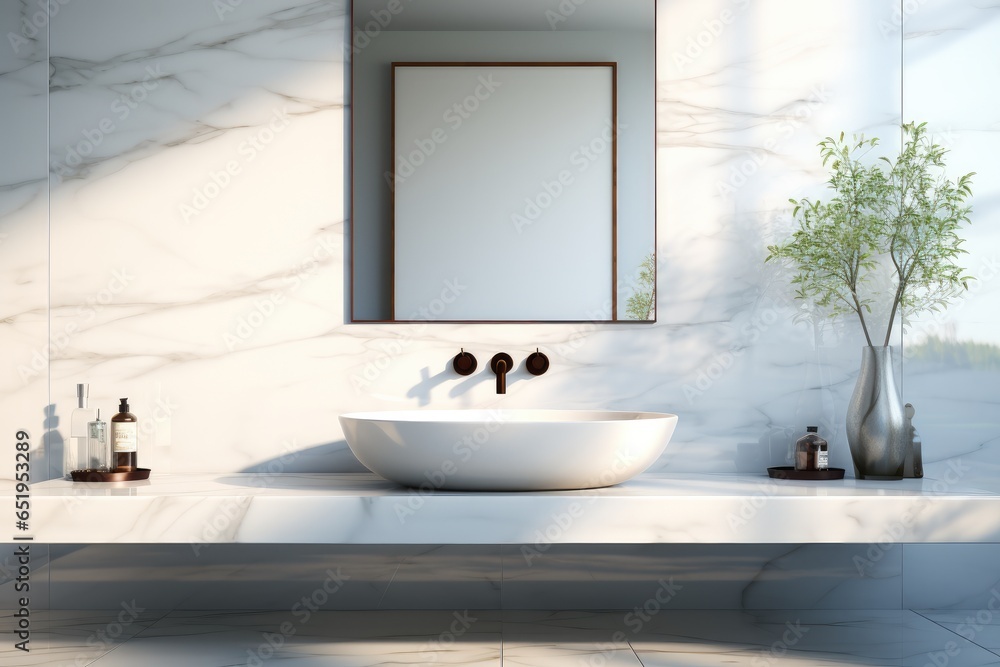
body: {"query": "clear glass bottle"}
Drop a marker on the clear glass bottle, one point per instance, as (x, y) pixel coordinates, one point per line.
(98, 454)
(75, 450)
(811, 451)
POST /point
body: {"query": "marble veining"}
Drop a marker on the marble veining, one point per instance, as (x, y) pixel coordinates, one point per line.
(653, 508)
(197, 576)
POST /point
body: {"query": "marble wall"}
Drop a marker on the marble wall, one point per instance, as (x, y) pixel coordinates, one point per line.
(951, 369)
(188, 246)
(24, 385)
(619, 576)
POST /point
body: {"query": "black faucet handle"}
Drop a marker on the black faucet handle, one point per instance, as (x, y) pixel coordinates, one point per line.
(537, 363)
(464, 363)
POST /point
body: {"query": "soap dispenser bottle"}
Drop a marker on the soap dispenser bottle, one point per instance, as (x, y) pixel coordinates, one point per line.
(124, 439)
(811, 451)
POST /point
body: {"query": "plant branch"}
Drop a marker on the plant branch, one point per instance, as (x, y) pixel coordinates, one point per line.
(904, 208)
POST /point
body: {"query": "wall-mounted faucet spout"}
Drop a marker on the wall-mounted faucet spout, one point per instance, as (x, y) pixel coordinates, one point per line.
(501, 364)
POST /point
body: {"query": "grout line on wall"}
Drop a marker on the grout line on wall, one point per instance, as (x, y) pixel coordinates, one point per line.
(902, 138)
(501, 580)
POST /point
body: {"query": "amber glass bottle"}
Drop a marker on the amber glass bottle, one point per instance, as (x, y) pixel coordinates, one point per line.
(811, 451)
(124, 439)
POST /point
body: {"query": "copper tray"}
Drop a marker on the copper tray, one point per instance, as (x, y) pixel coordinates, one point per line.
(788, 472)
(98, 476)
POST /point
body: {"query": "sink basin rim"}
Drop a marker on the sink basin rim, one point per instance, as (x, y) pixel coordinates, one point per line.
(509, 415)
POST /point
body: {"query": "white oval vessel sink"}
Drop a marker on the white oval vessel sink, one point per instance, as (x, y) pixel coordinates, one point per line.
(508, 450)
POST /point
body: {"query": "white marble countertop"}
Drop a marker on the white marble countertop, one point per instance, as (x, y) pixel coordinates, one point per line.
(364, 509)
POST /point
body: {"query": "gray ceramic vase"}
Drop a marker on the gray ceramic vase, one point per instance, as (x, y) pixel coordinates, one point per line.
(876, 426)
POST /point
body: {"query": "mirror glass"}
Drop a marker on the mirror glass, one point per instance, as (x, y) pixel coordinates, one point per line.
(503, 161)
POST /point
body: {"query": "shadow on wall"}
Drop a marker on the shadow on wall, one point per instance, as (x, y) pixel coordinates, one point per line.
(50, 456)
(424, 387)
(333, 456)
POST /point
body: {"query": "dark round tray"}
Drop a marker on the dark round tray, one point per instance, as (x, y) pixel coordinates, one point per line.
(98, 476)
(789, 472)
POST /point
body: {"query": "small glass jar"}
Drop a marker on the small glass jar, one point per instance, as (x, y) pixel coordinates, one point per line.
(811, 451)
(98, 454)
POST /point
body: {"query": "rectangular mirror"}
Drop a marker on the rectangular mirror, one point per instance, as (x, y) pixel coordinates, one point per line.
(504, 190)
(503, 161)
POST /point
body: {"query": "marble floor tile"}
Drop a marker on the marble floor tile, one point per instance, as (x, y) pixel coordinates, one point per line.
(516, 638)
(806, 638)
(980, 626)
(578, 638)
(568, 653)
(238, 647)
(71, 637)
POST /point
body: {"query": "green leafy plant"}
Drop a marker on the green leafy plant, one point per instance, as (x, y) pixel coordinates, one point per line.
(640, 305)
(903, 213)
